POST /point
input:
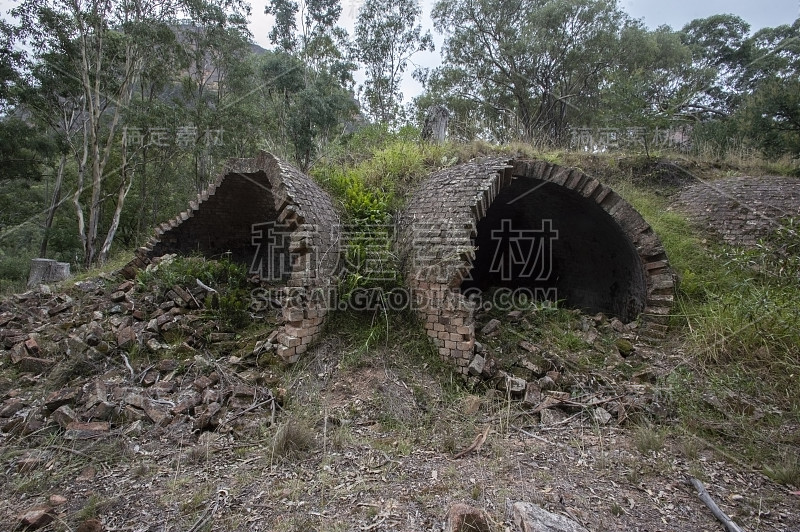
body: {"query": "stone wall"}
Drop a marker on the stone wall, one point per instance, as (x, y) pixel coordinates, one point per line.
(251, 201)
(741, 210)
(587, 244)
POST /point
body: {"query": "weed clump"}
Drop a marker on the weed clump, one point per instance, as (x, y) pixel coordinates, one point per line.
(293, 438)
(648, 439)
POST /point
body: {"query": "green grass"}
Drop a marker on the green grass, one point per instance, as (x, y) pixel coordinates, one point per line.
(648, 439)
(736, 315)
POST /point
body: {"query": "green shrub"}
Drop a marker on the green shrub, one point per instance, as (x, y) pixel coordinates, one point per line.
(232, 308)
(13, 270)
(185, 270)
(227, 277)
(401, 161)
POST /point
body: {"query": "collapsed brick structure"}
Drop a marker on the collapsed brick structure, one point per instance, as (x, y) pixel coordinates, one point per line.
(568, 237)
(584, 244)
(741, 210)
(255, 204)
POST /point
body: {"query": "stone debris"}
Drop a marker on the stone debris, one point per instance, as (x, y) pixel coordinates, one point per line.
(86, 431)
(465, 518)
(64, 416)
(527, 517)
(56, 500)
(36, 518)
(514, 315)
(625, 347)
(477, 365)
(90, 344)
(533, 394)
(546, 383)
(91, 525)
(601, 415)
(490, 328)
(543, 379)
(514, 386)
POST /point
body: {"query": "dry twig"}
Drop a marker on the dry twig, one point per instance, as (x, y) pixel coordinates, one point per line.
(726, 521)
(476, 444)
(128, 365)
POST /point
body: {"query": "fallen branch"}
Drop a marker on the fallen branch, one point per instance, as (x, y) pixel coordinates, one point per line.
(476, 444)
(543, 440)
(205, 286)
(196, 303)
(211, 509)
(249, 409)
(726, 521)
(552, 426)
(550, 401)
(143, 374)
(128, 365)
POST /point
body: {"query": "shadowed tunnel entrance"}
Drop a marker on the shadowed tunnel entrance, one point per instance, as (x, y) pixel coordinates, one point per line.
(277, 221)
(528, 225)
(560, 245)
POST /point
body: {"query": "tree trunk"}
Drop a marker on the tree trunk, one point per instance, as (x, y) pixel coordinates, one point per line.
(142, 222)
(47, 271)
(55, 201)
(525, 118)
(122, 193)
(76, 198)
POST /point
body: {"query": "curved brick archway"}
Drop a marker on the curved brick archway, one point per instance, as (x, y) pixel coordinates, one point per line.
(551, 230)
(269, 215)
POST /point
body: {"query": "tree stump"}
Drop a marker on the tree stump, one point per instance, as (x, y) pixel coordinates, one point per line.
(47, 271)
(435, 126)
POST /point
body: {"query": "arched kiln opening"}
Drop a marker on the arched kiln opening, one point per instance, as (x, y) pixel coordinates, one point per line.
(560, 246)
(235, 218)
(264, 213)
(527, 225)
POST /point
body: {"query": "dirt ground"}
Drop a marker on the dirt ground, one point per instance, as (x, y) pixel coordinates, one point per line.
(364, 470)
(365, 437)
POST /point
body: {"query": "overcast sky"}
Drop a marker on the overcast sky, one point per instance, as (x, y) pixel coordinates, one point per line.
(675, 13)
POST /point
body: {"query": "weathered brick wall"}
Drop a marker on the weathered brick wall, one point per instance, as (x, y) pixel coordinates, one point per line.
(606, 257)
(435, 244)
(741, 210)
(221, 220)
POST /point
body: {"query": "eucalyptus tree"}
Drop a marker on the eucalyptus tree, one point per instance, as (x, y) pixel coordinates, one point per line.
(386, 38)
(8, 64)
(720, 52)
(770, 112)
(105, 47)
(306, 83)
(753, 81)
(537, 62)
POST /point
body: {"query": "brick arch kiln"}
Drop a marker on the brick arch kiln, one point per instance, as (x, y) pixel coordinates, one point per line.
(740, 211)
(520, 225)
(531, 228)
(254, 204)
